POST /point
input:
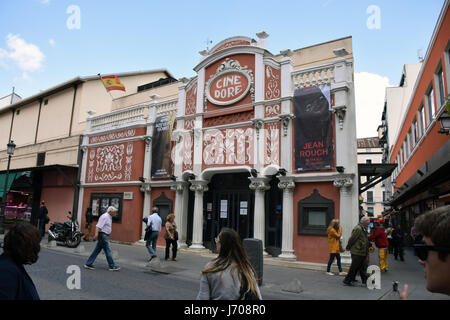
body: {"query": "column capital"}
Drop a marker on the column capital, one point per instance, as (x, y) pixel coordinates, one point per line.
(179, 186)
(259, 184)
(286, 183)
(345, 181)
(199, 186)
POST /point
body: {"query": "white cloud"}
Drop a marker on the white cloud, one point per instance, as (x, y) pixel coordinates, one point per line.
(370, 89)
(26, 55)
(52, 42)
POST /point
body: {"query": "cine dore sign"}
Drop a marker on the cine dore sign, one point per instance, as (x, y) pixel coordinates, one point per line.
(230, 84)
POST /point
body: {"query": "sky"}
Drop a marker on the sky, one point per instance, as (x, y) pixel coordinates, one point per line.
(46, 42)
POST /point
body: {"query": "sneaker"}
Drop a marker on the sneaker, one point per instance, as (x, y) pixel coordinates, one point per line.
(115, 268)
(175, 259)
(349, 284)
(330, 273)
(342, 273)
(90, 267)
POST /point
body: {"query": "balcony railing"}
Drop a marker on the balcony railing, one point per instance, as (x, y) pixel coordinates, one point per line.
(313, 76)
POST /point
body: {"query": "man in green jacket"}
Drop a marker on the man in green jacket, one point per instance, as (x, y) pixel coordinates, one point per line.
(358, 245)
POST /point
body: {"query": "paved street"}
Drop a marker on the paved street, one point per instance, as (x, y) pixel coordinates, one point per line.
(138, 280)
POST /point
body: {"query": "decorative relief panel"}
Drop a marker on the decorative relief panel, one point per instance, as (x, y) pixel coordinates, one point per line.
(188, 152)
(230, 118)
(272, 83)
(191, 100)
(228, 147)
(232, 44)
(272, 143)
(110, 163)
(272, 110)
(189, 124)
(113, 136)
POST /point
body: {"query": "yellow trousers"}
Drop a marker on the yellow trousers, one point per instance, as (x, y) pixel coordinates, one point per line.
(382, 256)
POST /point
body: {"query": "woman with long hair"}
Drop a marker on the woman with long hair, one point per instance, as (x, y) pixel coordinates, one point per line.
(334, 233)
(229, 275)
(170, 237)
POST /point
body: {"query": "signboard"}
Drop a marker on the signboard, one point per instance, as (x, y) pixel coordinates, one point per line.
(128, 195)
(161, 159)
(230, 84)
(313, 128)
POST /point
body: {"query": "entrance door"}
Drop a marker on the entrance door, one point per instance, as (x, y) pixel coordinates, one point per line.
(229, 203)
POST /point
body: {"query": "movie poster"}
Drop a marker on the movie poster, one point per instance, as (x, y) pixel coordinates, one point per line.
(161, 142)
(313, 128)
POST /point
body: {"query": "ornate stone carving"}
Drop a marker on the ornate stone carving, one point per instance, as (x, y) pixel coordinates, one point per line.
(199, 188)
(340, 113)
(288, 186)
(343, 182)
(259, 186)
(285, 119)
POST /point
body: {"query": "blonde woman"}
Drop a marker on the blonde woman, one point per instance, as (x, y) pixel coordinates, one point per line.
(334, 233)
(171, 236)
(230, 275)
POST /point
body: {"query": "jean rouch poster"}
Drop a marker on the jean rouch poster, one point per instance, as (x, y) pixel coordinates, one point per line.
(161, 141)
(313, 128)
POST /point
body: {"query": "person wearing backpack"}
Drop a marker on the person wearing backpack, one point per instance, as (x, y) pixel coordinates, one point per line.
(230, 276)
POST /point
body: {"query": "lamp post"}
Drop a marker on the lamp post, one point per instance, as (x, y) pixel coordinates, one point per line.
(11, 146)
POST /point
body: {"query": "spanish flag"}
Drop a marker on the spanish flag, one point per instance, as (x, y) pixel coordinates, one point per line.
(112, 83)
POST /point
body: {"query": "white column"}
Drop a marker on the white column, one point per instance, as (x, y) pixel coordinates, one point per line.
(84, 149)
(347, 189)
(198, 186)
(179, 189)
(287, 241)
(259, 223)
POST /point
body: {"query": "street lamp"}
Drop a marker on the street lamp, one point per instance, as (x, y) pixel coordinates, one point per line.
(11, 146)
(445, 123)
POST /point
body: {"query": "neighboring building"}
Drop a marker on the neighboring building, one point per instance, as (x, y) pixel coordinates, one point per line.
(373, 200)
(9, 99)
(252, 142)
(47, 128)
(419, 145)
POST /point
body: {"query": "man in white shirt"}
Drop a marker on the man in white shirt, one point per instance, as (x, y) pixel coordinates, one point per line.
(154, 223)
(102, 232)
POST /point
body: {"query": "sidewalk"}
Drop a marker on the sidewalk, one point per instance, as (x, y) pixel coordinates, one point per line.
(284, 279)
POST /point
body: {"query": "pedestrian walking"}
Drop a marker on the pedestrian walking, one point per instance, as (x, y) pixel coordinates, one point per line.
(43, 218)
(434, 253)
(334, 233)
(88, 227)
(230, 276)
(358, 245)
(21, 246)
(398, 237)
(390, 241)
(171, 237)
(154, 223)
(102, 232)
(381, 242)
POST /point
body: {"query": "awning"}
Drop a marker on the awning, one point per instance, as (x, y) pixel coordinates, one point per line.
(375, 173)
(11, 178)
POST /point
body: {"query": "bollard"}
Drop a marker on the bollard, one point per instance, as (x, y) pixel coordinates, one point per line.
(253, 248)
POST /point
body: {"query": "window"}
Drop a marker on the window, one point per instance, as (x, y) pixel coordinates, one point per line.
(409, 142)
(384, 196)
(439, 80)
(430, 108)
(368, 161)
(414, 133)
(370, 211)
(101, 201)
(314, 214)
(369, 197)
(405, 149)
(421, 122)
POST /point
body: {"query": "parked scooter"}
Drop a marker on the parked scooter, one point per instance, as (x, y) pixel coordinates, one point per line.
(68, 232)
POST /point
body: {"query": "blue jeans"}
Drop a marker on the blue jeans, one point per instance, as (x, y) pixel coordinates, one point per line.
(102, 243)
(338, 259)
(153, 239)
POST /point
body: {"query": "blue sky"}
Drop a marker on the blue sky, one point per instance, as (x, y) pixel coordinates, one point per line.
(38, 50)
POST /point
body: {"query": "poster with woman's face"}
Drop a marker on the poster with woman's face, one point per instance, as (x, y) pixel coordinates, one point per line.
(313, 129)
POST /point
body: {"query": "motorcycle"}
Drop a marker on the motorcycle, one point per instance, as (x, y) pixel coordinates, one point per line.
(67, 232)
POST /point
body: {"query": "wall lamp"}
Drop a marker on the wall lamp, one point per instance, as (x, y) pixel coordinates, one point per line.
(340, 169)
(191, 176)
(142, 179)
(445, 123)
(173, 178)
(282, 171)
(254, 173)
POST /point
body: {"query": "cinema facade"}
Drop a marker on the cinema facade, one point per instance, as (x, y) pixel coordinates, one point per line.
(261, 143)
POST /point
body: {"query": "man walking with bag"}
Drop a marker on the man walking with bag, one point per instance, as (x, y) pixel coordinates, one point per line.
(153, 229)
(358, 245)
